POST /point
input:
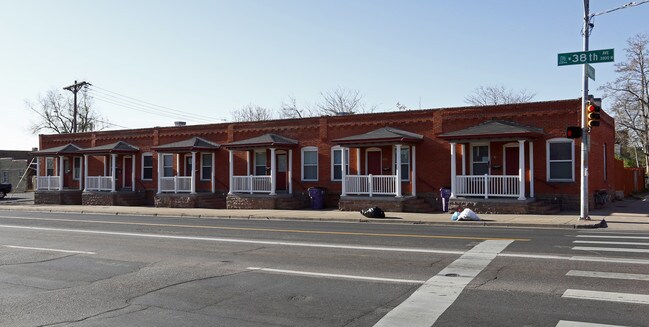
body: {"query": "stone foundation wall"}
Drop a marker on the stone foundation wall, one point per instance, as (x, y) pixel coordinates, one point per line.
(175, 201)
(490, 207)
(250, 202)
(567, 202)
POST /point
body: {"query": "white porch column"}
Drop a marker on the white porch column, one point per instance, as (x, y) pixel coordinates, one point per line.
(193, 183)
(231, 170)
(521, 169)
(414, 171)
(213, 177)
(290, 171)
(113, 169)
(453, 173)
(358, 161)
(160, 172)
(133, 172)
(38, 170)
(248, 163)
(85, 172)
(273, 172)
(80, 176)
(60, 173)
(531, 147)
(463, 158)
(397, 170)
(343, 172)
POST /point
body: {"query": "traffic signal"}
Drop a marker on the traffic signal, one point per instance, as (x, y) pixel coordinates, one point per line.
(573, 132)
(592, 114)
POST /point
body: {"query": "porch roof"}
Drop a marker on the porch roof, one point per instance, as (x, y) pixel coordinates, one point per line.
(117, 147)
(385, 135)
(59, 150)
(494, 130)
(266, 140)
(192, 144)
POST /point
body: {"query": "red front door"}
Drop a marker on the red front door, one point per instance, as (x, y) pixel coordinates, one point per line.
(281, 171)
(128, 170)
(511, 161)
(374, 162)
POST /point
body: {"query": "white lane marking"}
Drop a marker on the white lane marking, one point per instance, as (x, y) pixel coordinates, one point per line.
(593, 248)
(610, 275)
(606, 296)
(247, 241)
(430, 300)
(609, 236)
(568, 323)
(575, 258)
(47, 249)
(316, 274)
(611, 243)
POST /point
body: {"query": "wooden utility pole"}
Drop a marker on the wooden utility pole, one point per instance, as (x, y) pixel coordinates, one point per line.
(74, 88)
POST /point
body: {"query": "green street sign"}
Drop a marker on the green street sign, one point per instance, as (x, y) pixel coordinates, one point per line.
(586, 57)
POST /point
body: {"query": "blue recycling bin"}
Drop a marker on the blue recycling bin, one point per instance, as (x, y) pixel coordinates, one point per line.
(445, 195)
(317, 197)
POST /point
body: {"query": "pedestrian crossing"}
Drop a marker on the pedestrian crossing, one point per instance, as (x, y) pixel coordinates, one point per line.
(632, 244)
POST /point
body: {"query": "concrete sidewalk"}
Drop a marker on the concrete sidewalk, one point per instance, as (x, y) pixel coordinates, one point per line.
(630, 214)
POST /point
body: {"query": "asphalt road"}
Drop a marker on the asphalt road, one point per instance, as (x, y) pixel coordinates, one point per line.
(99, 270)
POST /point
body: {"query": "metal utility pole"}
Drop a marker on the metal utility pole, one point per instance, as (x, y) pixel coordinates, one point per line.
(583, 198)
(74, 88)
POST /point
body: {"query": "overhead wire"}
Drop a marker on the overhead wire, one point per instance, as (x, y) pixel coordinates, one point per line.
(145, 106)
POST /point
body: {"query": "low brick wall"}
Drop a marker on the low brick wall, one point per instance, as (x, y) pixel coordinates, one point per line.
(348, 203)
(65, 197)
(114, 198)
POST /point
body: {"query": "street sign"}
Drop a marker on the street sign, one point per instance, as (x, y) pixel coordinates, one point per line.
(585, 57)
(590, 71)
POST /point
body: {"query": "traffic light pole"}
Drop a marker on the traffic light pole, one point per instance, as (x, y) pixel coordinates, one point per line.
(585, 139)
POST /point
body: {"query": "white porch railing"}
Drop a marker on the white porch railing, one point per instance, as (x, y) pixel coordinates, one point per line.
(99, 183)
(488, 185)
(371, 184)
(176, 184)
(48, 183)
(251, 184)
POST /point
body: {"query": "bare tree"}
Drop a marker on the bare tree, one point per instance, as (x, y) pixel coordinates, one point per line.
(342, 101)
(497, 94)
(629, 94)
(252, 112)
(290, 109)
(55, 113)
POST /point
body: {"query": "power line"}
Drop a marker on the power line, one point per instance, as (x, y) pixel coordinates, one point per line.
(127, 106)
(151, 106)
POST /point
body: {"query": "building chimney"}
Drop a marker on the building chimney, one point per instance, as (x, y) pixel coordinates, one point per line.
(179, 123)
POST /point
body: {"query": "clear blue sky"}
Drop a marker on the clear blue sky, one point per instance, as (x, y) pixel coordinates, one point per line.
(211, 57)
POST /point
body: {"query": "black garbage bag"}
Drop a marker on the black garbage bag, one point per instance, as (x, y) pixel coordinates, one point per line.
(374, 212)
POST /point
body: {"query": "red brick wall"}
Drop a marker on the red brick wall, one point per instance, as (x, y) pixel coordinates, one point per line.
(433, 153)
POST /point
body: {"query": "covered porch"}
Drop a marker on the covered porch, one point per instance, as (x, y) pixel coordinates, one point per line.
(495, 160)
(385, 163)
(187, 153)
(260, 176)
(58, 175)
(102, 167)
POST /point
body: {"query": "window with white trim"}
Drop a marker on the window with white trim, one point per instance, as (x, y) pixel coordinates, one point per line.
(76, 168)
(479, 159)
(260, 162)
(49, 166)
(147, 166)
(560, 160)
(310, 163)
(336, 163)
(405, 162)
(167, 165)
(206, 166)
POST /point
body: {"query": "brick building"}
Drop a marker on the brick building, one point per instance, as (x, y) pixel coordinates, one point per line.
(506, 158)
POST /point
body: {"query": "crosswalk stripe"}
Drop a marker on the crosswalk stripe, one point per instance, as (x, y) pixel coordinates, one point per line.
(589, 248)
(606, 296)
(601, 274)
(612, 236)
(612, 243)
(568, 323)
